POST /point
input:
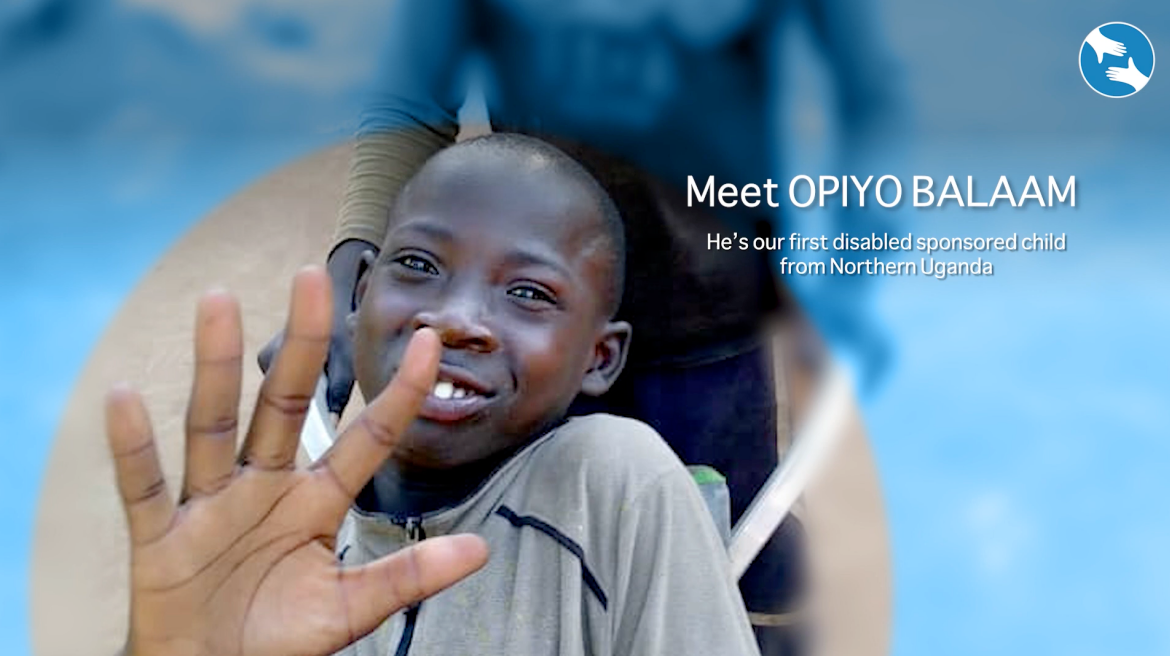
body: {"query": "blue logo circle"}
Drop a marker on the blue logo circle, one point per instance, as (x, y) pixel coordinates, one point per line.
(1117, 60)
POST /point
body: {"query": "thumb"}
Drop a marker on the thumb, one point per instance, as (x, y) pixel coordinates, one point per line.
(1100, 55)
(1131, 66)
(375, 591)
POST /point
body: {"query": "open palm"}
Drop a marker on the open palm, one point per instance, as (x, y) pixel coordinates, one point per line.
(1129, 75)
(243, 564)
(1103, 45)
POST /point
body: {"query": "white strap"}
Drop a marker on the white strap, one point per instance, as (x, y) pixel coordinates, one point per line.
(318, 432)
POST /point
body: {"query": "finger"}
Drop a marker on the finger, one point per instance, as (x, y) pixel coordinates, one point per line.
(268, 353)
(149, 508)
(287, 390)
(363, 447)
(213, 412)
(339, 373)
(369, 258)
(373, 592)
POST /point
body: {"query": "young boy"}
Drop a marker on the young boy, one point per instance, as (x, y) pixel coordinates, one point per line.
(509, 255)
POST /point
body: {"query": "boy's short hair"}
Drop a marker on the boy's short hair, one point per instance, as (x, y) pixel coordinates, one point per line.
(563, 165)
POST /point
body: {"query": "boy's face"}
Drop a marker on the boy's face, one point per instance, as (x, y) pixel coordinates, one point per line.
(509, 267)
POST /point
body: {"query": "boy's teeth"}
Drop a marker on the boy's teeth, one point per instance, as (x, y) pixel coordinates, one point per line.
(445, 389)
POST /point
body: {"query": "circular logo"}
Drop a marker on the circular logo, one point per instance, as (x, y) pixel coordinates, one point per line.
(1117, 60)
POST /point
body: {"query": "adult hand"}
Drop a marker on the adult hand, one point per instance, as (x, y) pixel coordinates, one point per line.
(1103, 45)
(345, 266)
(243, 565)
(1131, 76)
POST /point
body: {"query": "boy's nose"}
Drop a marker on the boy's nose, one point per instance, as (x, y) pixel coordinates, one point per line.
(459, 325)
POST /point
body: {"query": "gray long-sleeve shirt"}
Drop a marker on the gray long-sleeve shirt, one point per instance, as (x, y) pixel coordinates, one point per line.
(600, 545)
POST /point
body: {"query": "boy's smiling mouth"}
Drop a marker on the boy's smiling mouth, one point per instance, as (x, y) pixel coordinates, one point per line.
(455, 396)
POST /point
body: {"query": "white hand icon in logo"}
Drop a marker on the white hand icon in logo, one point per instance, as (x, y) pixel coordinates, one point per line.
(1131, 76)
(1104, 45)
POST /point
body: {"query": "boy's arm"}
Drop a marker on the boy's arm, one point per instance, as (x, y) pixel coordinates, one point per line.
(677, 596)
(243, 563)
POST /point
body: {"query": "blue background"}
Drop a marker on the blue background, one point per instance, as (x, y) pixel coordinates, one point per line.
(1021, 431)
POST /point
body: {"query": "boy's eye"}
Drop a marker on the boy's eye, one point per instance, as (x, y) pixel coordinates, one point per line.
(416, 263)
(532, 294)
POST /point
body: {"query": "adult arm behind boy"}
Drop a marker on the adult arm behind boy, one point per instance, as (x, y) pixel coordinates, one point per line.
(426, 46)
(244, 565)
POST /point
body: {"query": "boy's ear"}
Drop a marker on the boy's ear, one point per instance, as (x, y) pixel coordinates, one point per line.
(609, 357)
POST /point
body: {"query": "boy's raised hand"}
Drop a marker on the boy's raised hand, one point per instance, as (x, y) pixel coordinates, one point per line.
(244, 564)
